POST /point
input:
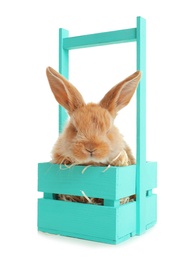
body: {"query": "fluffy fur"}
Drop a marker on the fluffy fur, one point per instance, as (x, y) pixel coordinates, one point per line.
(90, 137)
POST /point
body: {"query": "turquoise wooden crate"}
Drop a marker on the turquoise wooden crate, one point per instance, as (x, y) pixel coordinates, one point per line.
(111, 222)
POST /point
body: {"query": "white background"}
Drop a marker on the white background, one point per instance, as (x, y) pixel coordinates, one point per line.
(28, 44)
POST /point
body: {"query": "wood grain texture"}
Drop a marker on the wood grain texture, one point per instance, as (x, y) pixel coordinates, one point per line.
(98, 223)
(99, 39)
(115, 183)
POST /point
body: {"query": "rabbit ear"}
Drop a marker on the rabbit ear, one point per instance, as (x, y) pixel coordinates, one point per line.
(120, 95)
(65, 93)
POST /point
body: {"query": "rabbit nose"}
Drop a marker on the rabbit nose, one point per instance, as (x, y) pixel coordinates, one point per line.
(91, 151)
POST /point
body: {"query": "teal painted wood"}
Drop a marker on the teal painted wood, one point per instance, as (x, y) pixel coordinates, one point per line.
(100, 39)
(113, 184)
(95, 182)
(98, 223)
(78, 218)
(64, 70)
(141, 127)
(150, 203)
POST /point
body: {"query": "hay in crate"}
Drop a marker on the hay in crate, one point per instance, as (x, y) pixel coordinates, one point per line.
(120, 160)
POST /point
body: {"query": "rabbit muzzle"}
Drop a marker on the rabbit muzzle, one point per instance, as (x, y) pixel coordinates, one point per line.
(88, 151)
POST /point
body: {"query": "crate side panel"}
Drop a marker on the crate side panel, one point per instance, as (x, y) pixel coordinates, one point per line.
(94, 181)
(114, 183)
(151, 210)
(77, 219)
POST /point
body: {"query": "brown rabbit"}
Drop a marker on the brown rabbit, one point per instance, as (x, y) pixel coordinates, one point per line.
(90, 137)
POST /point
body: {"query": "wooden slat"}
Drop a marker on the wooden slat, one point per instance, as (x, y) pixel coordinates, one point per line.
(99, 223)
(64, 70)
(69, 218)
(99, 39)
(141, 127)
(113, 184)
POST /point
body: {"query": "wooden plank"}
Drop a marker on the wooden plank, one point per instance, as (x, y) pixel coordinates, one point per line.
(64, 70)
(141, 127)
(92, 222)
(77, 219)
(94, 182)
(99, 39)
(141, 91)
